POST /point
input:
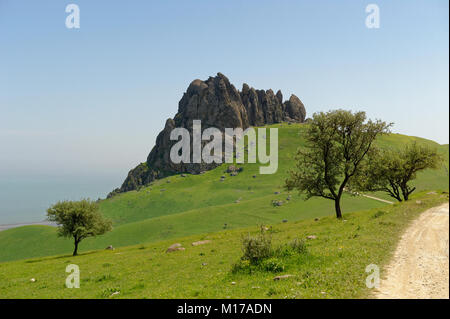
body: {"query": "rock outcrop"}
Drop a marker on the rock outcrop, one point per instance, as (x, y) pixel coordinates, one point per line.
(217, 103)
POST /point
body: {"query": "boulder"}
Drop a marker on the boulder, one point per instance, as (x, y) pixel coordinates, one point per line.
(277, 203)
(295, 109)
(282, 277)
(175, 247)
(232, 169)
(201, 242)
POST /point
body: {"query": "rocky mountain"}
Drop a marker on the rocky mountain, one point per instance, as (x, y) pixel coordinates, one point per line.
(217, 103)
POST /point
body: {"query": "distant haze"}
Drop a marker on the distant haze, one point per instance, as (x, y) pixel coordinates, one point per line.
(26, 199)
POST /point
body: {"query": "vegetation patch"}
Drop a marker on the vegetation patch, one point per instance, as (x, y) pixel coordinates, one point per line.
(330, 266)
(151, 216)
(260, 255)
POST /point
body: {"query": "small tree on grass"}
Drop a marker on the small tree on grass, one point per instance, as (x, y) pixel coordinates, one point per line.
(336, 144)
(392, 171)
(79, 220)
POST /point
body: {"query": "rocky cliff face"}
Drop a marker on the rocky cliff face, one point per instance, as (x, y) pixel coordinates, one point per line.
(217, 103)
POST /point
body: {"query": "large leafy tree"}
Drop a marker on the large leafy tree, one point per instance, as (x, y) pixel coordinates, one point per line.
(392, 171)
(79, 220)
(336, 144)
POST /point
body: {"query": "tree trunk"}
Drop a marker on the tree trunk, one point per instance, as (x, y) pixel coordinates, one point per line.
(406, 191)
(337, 206)
(75, 252)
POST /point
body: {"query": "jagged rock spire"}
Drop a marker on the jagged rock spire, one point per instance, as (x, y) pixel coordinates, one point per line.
(217, 103)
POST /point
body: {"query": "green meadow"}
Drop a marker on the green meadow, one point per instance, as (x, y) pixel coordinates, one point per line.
(178, 206)
(333, 265)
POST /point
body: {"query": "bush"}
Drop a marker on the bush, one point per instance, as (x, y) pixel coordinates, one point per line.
(273, 265)
(284, 251)
(258, 254)
(296, 246)
(257, 248)
(299, 246)
(242, 266)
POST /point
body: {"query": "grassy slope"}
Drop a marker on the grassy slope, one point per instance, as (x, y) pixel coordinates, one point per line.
(201, 203)
(334, 266)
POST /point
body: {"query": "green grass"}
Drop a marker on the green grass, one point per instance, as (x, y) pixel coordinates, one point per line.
(36, 241)
(202, 203)
(333, 267)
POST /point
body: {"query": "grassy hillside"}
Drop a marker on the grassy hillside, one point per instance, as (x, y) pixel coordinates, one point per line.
(181, 206)
(333, 266)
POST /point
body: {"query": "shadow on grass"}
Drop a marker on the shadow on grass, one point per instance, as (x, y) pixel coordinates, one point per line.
(32, 261)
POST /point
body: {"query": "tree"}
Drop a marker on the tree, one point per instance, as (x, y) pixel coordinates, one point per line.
(79, 220)
(336, 144)
(391, 171)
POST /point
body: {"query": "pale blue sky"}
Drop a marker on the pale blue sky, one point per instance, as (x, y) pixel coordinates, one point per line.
(91, 101)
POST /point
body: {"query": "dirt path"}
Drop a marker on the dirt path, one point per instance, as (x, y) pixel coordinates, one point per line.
(419, 268)
(378, 199)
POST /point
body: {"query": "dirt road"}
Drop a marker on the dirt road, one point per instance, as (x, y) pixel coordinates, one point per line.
(419, 268)
(378, 199)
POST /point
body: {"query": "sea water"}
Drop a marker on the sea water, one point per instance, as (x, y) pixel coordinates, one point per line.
(25, 199)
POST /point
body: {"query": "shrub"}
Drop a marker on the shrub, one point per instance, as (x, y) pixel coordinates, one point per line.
(258, 254)
(284, 251)
(257, 248)
(241, 266)
(296, 246)
(272, 265)
(299, 246)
